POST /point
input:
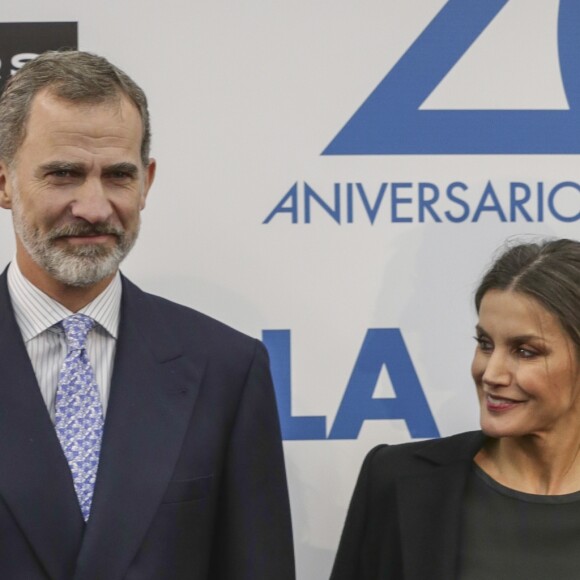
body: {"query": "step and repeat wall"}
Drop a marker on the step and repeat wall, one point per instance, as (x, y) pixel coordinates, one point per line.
(333, 178)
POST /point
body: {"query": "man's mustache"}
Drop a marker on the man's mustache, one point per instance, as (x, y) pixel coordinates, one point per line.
(85, 229)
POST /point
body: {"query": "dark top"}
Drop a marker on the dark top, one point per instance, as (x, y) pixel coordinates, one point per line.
(404, 518)
(511, 535)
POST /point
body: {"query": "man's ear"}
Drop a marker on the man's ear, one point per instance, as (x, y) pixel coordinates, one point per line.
(149, 177)
(5, 187)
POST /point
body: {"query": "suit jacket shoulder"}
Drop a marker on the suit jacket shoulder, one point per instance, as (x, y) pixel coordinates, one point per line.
(182, 320)
(403, 519)
(407, 459)
(171, 330)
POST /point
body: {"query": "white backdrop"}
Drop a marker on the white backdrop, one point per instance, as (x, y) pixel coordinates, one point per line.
(244, 97)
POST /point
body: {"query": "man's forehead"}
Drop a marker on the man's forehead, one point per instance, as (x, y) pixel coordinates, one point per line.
(48, 101)
(57, 122)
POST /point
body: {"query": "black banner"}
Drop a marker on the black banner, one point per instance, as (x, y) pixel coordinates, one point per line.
(23, 41)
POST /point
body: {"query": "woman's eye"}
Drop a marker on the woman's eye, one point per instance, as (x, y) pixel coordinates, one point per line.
(484, 343)
(525, 352)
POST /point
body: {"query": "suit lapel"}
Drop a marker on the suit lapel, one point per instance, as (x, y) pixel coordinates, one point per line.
(430, 509)
(35, 480)
(153, 390)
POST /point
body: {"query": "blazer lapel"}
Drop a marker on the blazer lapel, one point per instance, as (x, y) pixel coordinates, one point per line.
(153, 391)
(430, 509)
(35, 480)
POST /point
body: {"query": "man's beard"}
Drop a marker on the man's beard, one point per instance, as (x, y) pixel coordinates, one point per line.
(73, 265)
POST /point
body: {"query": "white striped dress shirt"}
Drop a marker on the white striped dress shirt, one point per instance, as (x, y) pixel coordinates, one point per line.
(37, 314)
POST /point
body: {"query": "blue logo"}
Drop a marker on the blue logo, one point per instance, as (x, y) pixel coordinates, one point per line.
(407, 202)
(383, 349)
(390, 120)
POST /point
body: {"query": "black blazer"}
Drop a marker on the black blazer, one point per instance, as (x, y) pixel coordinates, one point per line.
(403, 520)
(191, 481)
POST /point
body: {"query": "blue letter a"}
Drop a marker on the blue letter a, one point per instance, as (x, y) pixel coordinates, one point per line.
(383, 346)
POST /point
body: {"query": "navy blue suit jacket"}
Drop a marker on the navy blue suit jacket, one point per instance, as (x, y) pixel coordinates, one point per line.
(404, 518)
(191, 482)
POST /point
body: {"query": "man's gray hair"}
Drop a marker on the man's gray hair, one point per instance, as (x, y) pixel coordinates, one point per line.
(71, 75)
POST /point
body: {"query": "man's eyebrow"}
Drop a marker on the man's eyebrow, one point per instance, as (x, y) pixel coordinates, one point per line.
(123, 167)
(53, 166)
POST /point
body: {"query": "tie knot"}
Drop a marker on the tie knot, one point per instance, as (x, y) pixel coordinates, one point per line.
(76, 328)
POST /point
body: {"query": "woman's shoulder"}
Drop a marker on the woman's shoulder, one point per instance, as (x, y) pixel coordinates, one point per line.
(418, 455)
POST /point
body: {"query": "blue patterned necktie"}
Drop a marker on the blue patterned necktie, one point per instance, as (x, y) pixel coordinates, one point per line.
(79, 415)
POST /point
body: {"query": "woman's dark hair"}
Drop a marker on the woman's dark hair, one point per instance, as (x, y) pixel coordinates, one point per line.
(548, 271)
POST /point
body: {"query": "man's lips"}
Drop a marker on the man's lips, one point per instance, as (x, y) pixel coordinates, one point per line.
(88, 239)
(495, 403)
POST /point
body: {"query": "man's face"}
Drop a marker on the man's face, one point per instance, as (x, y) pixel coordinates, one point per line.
(76, 188)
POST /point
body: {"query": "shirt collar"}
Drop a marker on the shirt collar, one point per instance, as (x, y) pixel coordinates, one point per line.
(36, 312)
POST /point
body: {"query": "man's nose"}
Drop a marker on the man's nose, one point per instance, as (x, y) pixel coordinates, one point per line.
(92, 203)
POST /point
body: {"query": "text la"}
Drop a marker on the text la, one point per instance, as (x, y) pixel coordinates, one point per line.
(382, 347)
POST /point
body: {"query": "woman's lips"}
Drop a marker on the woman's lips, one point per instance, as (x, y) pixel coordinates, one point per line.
(495, 403)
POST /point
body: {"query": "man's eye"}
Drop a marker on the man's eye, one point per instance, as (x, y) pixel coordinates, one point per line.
(120, 176)
(63, 174)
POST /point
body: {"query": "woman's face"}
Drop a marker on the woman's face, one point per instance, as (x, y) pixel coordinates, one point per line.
(525, 368)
